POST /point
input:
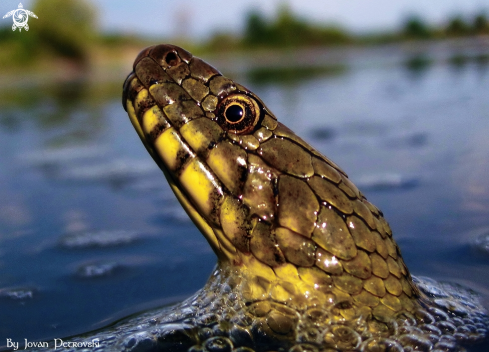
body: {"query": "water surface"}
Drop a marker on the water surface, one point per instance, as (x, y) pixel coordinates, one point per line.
(90, 232)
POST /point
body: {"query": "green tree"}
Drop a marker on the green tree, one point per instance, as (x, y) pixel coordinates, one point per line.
(66, 27)
(457, 27)
(287, 30)
(256, 29)
(416, 28)
(480, 24)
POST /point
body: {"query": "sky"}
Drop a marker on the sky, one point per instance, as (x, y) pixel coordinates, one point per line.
(198, 19)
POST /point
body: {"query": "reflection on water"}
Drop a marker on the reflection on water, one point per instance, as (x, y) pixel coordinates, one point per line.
(292, 75)
(482, 60)
(89, 228)
(418, 65)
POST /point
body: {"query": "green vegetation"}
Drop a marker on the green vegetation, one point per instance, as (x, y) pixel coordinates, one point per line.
(416, 28)
(67, 31)
(289, 31)
(67, 27)
(17, 48)
(457, 26)
(292, 74)
(53, 35)
(286, 30)
(481, 25)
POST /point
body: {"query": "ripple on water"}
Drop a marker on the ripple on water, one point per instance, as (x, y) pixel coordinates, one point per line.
(118, 170)
(411, 140)
(61, 156)
(19, 293)
(482, 241)
(99, 239)
(96, 270)
(387, 181)
(323, 133)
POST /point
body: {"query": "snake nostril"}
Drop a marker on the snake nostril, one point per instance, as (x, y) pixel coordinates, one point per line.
(171, 58)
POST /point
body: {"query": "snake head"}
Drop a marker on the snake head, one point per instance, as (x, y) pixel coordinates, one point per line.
(264, 198)
(204, 131)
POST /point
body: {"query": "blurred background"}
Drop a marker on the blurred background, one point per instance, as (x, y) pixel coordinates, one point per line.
(393, 92)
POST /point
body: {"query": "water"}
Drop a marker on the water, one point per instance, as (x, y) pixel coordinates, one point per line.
(90, 232)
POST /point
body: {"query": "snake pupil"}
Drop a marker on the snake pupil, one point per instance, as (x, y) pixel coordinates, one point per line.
(234, 113)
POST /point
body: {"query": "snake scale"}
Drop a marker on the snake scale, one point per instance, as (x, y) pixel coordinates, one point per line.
(305, 262)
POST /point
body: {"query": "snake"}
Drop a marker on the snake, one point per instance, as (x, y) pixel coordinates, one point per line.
(305, 263)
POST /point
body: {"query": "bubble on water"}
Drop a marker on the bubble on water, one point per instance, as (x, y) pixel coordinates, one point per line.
(430, 287)
(141, 341)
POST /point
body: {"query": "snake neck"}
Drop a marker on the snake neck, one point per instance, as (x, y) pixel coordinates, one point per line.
(239, 309)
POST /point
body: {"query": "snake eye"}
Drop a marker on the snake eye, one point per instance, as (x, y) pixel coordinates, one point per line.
(238, 113)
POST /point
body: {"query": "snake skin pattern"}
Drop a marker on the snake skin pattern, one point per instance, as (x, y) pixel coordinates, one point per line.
(305, 262)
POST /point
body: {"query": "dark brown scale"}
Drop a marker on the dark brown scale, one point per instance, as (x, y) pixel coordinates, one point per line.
(298, 206)
(297, 249)
(169, 55)
(360, 266)
(134, 86)
(182, 112)
(178, 72)
(144, 53)
(264, 246)
(329, 193)
(167, 93)
(237, 231)
(221, 86)
(298, 162)
(202, 71)
(224, 160)
(149, 73)
(331, 234)
(141, 105)
(126, 89)
(361, 234)
(362, 211)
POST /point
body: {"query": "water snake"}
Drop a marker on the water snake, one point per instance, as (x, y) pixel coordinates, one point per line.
(305, 261)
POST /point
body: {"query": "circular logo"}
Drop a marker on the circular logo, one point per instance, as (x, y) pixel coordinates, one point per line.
(20, 17)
